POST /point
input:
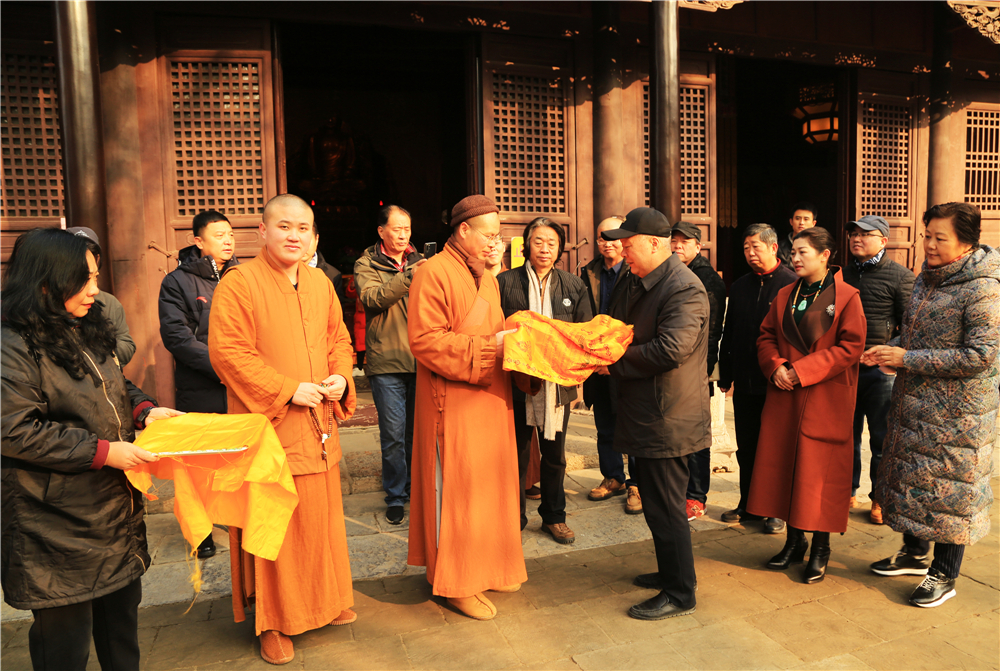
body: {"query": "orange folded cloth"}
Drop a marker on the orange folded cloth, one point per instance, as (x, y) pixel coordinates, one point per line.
(252, 490)
(563, 352)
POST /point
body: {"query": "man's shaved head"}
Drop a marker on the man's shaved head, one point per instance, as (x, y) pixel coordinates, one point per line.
(284, 200)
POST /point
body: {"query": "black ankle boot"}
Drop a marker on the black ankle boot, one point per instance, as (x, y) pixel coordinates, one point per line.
(818, 558)
(793, 552)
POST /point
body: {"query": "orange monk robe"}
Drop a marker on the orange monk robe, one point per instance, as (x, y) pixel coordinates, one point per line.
(265, 337)
(464, 510)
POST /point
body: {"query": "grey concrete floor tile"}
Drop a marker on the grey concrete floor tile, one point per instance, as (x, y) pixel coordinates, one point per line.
(552, 633)
(837, 663)
(976, 636)
(565, 585)
(363, 524)
(730, 645)
(984, 569)
(16, 659)
(407, 583)
(786, 588)
(390, 614)
(619, 572)
(554, 665)
(379, 654)
(611, 615)
(653, 655)
(369, 587)
(887, 614)
(377, 556)
(574, 558)
(468, 645)
(919, 652)
(725, 598)
(811, 631)
(15, 634)
(358, 504)
(633, 547)
(171, 583)
(200, 643)
(174, 613)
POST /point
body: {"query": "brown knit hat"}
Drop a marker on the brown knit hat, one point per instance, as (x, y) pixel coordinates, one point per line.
(471, 206)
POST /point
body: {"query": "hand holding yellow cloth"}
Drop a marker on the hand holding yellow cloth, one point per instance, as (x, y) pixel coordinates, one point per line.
(563, 352)
(252, 490)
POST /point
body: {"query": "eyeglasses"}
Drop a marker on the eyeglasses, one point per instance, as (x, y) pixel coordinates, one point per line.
(859, 234)
(490, 240)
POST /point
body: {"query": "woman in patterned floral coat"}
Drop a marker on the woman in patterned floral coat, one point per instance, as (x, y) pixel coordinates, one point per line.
(934, 480)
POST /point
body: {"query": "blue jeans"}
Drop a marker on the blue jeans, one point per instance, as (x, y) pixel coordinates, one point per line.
(394, 394)
(874, 392)
(609, 459)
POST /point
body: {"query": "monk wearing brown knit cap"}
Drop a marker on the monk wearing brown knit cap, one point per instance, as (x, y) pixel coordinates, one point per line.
(464, 510)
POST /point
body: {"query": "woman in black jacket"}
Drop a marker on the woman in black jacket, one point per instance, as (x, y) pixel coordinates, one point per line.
(542, 288)
(73, 540)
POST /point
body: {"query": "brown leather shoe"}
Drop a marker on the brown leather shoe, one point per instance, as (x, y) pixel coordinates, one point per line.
(560, 533)
(347, 616)
(633, 504)
(533, 493)
(876, 514)
(276, 648)
(477, 606)
(609, 487)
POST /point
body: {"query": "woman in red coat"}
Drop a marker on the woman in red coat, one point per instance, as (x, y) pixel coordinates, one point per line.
(809, 348)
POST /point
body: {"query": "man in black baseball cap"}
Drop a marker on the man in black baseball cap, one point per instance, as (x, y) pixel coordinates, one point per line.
(668, 309)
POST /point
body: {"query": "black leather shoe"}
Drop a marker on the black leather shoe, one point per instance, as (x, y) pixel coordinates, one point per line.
(934, 590)
(207, 548)
(816, 568)
(648, 580)
(394, 514)
(902, 563)
(793, 552)
(658, 608)
(772, 525)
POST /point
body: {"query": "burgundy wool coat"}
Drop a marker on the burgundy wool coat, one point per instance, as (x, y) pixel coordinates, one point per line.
(806, 448)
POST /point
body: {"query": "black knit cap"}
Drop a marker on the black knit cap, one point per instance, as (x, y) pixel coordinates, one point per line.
(472, 206)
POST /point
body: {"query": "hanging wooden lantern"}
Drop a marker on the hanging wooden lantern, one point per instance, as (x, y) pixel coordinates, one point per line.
(817, 109)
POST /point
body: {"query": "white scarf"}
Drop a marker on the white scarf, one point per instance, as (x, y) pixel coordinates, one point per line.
(542, 409)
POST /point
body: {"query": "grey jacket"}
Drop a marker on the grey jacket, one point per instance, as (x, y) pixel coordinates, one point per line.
(662, 380)
(113, 310)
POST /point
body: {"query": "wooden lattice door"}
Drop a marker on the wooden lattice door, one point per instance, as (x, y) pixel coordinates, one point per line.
(529, 136)
(30, 141)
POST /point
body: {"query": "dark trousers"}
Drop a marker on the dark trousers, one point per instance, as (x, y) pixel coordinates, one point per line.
(609, 459)
(947, 556)
(394, 394)
(59, 638)
(874, 391)
(700, 466)
(663, 483)
(552, 468)
(747, 412)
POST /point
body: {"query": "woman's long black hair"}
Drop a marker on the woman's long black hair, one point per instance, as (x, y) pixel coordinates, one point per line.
(47, 267)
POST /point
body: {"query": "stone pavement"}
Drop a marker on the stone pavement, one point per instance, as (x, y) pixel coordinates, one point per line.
(571, 614)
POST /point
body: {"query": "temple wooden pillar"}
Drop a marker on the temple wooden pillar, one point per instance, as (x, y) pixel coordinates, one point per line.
(946, 146)
(609, 141)
(665, 115)
(80, 109)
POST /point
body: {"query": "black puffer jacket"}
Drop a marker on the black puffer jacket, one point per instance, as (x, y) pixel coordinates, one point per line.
(185, 302)
(70, 533)
(663, 404)
(885, 292)
(750, 300)
(569, 304)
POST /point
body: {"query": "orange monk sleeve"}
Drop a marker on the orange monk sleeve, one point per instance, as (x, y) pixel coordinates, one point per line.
(454, 356)
(340, 354)
(232, 335)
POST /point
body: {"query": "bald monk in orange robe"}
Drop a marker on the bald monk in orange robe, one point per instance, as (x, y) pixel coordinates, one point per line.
(464, 506)
(278, 342)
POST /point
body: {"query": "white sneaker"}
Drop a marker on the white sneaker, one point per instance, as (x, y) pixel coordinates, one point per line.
(357, 372)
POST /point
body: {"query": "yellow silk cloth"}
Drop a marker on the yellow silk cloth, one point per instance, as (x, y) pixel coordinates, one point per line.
(252, 490)
(563, 352)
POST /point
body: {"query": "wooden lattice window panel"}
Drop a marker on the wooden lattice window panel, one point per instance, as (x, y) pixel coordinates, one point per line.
(218, 136)
(529, 145)
(30, 137)
(694, 148)
(982, 159)
(885, 160)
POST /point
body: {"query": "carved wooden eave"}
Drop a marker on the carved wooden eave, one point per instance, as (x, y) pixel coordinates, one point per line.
(709, 5)
(983, 15)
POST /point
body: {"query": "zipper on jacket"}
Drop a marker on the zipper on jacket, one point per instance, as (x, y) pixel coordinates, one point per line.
(104, 386)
